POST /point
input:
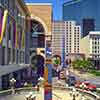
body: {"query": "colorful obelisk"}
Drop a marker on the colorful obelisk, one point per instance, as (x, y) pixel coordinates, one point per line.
(48, 73)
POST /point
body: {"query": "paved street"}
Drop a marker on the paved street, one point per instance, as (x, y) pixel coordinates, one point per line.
(65, 95)
(58, 94)
(85, 76)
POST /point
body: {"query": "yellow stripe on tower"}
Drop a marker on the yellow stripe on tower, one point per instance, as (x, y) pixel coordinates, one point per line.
(4, 22)
(16, 37)
(46, 73)
(23, 40)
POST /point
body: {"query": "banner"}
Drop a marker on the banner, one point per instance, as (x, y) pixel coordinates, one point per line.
(3, 25)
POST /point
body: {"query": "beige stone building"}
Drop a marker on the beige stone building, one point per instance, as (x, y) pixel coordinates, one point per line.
(41, 13)
(85, 45)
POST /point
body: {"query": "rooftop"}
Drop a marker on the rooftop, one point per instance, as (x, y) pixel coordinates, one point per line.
(95, 32)
(11, 68)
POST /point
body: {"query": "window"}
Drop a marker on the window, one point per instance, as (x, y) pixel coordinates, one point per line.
(21, 56)
(17, 57)
(92, 51)
(5, 3)
(78, 48)
(9, 30)
(2, 2)
(3, 55)
(11, 6)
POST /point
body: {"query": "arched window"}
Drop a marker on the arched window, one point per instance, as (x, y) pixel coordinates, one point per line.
(37, 35)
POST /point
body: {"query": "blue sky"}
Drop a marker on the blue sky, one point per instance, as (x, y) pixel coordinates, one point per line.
(57, 7)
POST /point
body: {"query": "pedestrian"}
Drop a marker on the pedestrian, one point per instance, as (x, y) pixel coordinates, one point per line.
(74, 97)
(25, 84)
(38, 88)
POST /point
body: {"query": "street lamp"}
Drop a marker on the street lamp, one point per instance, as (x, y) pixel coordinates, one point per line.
(30, 96)
(41, 81)
(12, 82)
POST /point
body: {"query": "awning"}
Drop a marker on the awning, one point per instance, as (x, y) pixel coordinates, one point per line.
(6, 69)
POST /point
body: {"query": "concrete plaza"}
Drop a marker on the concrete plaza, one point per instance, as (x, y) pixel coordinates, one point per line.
(58, 94)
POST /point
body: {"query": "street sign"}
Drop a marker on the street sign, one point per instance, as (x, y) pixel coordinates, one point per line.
(48, 52)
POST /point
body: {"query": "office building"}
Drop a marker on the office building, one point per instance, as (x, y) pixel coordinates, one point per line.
(88, 25)
(58, 33)
(79, 10)
(90, 46)
(65, 34)
(95, 48)
(72, 37)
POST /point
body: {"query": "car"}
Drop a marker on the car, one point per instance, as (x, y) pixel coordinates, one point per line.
(71, 80)
(86, 85)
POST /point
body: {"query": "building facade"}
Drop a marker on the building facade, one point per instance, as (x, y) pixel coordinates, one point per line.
(40, 24)
(95, 48)
(90, 47)
(82, 9)
(65, 35)
(40, 34)
(58, 32)
(13, 23)
(72, 37)
(88, 25)
(85, 45)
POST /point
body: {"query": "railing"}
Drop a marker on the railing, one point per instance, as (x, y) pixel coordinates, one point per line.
(95, 96)
(17, 90)
(26, 89)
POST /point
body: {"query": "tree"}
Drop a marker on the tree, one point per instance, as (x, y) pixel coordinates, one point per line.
(56, 60)
(76, 64)
(83, 65)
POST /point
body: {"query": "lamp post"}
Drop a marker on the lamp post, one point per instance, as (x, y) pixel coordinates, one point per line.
(12, 82)
(41, 81)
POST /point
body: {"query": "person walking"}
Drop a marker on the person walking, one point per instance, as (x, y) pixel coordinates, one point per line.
(38, 88)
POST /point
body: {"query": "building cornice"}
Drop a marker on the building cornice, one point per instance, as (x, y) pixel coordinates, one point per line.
(44, 4)
(22, 3)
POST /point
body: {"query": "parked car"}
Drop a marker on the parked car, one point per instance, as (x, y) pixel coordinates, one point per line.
(71, 80)
(86, 85)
